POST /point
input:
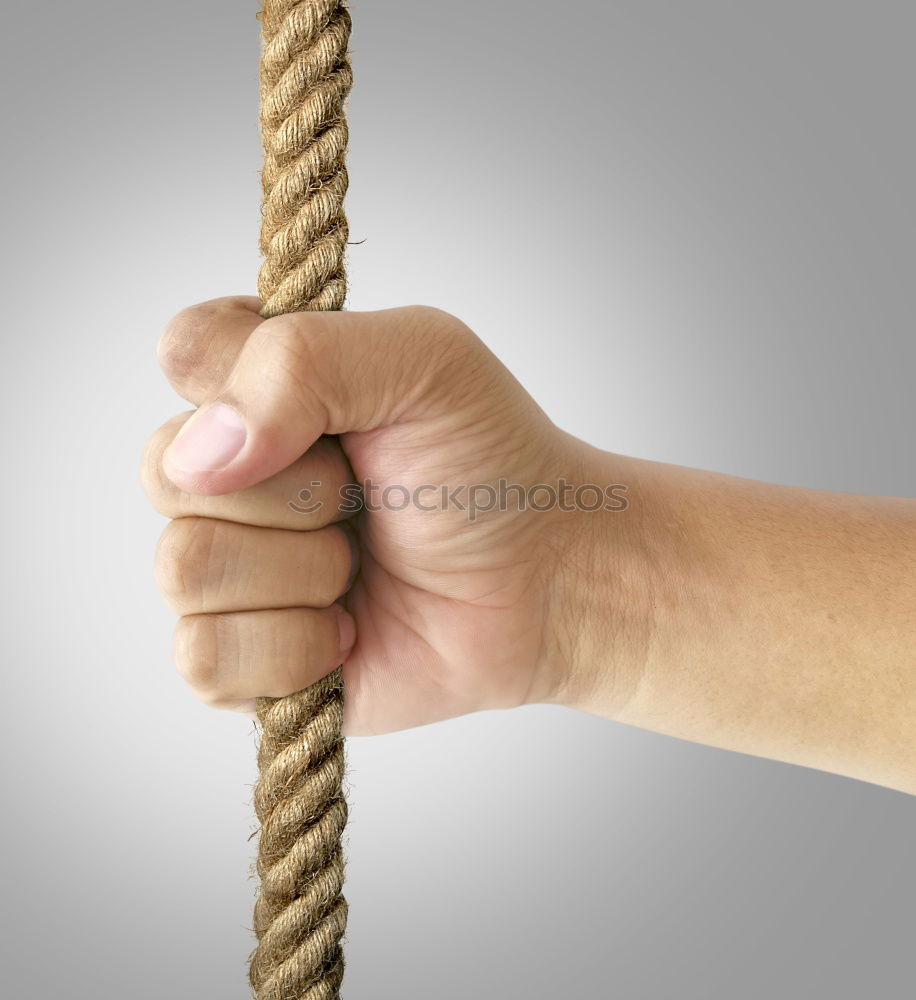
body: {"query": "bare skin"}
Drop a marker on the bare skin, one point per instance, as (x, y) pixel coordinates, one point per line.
(764, 619)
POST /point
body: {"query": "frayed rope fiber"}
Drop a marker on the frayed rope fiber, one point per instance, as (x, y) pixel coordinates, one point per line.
(300, 914)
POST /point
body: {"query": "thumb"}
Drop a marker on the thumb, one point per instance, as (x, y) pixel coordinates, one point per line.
(306, 374)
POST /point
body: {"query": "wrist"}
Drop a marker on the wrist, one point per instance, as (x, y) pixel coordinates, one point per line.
(612, 566)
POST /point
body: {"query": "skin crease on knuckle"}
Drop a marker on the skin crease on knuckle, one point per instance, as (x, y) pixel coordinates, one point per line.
(230, 659)
(197, 656)
(183, 344)
(207, 656)
(188, 555)
(440, 343)
(206, 570)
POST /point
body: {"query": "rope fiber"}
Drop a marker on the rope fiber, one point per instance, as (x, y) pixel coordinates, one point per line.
(300, 914)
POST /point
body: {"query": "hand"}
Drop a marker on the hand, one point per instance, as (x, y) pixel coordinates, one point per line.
(765, 619)
(455, 607)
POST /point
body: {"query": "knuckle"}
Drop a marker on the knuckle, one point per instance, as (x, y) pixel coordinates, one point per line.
(270, 330)
(288, 346)
(437, 324)
(196, 657)
(440, 331)
(432, 316)
(182, 345)
(184, 561)
(344, 561)
(188, 338)
(447, 354)
(327, 564)
(159, 489)
(292, 338)
(290, 349)
(151, 473)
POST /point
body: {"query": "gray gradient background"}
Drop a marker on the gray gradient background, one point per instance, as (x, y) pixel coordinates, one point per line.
(688, 228)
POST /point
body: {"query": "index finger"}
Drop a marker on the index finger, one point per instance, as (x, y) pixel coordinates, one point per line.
(199, 346)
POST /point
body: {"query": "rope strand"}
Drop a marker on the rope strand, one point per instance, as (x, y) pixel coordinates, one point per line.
(300, 914)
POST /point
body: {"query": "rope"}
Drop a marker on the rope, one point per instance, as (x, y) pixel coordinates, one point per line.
(300, 915)
(305, 79)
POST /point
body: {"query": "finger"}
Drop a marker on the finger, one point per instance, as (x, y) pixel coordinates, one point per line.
(203, 566)
(200, 346)
(314, 491)
(229, 660)
(307, 374)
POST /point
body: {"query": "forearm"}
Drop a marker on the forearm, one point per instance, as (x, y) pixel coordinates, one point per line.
(769, 620)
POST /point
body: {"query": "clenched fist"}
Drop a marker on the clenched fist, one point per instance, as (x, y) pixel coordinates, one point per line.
(375, 489)
(387, 464)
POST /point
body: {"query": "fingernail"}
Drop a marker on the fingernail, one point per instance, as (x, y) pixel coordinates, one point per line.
(209, 440)
(346, 628)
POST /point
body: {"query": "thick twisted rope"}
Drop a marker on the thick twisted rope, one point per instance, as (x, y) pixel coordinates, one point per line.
(305, 79)
(300, 915)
